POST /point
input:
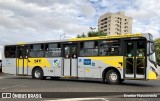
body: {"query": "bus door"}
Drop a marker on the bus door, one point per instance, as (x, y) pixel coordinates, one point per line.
(70, 60)
(135, 59)
(22, 60)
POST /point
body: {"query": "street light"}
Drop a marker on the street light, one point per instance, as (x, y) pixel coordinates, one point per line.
(92, 28)
(61, 35)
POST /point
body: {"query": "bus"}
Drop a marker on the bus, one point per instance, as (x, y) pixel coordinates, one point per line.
(112, 59)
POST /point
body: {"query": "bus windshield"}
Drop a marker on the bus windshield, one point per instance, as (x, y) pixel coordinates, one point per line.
(152, 57)
(152, 49)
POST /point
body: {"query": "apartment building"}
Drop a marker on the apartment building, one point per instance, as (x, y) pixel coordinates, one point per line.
(115, 23)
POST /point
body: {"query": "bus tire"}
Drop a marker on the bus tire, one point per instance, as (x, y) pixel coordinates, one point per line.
(112, 77)
(38, 74)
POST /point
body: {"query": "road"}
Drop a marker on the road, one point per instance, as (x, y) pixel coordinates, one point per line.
(12, 83)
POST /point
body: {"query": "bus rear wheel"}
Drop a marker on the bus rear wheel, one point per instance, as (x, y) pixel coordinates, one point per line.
(37, 74)
(112, 77)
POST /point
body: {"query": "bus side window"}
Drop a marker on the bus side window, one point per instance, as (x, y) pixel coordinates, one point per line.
(53, 50)
(37, 50)
(10, 51)
(130, 50)
(74, 52)
(140, 49)
(89, 48)
(20, 53)
(109, 47)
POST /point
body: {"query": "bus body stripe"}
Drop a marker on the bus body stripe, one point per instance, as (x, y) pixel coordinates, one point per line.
(32, 62)
(110, 60)
(42, 62)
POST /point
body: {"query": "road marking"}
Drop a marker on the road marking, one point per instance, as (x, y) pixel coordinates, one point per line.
(79, 99)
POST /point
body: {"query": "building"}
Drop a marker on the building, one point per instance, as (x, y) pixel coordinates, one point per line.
(115, 23)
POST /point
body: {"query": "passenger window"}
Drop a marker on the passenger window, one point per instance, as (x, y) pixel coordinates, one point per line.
(10, 51)
(67, 52)
(36, 50)
(130, 49)
(74, 51)
(89, 48)
(53, 50)
(20, 53)
(140, 49)
(109, 47)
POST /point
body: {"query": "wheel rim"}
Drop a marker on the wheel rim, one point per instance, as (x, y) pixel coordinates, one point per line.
(37, 73)
(113, 77)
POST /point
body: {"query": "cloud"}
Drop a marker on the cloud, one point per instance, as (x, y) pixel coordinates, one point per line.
(146, 16)
(88, 10)
(33, 20)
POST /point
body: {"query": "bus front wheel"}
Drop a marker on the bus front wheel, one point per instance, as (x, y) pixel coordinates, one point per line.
(112, 77)
(37, 74)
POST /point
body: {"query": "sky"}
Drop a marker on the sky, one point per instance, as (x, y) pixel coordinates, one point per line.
(40, 20)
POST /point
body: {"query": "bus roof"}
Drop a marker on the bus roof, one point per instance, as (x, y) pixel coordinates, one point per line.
(84, 39)
(107, 37)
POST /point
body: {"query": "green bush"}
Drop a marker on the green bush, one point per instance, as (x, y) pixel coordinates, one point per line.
(157, 48)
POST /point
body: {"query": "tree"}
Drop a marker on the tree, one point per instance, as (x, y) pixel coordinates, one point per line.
(92, 34)
(78, 36)
(157, 48)
(81, 36)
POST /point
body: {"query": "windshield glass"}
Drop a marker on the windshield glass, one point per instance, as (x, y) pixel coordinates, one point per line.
(152, 57)
(150, 37)
(152, 49)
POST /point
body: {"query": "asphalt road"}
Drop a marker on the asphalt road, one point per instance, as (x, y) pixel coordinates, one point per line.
(12, 83)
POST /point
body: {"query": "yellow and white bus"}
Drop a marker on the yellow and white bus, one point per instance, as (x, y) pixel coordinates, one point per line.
(110, 58)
